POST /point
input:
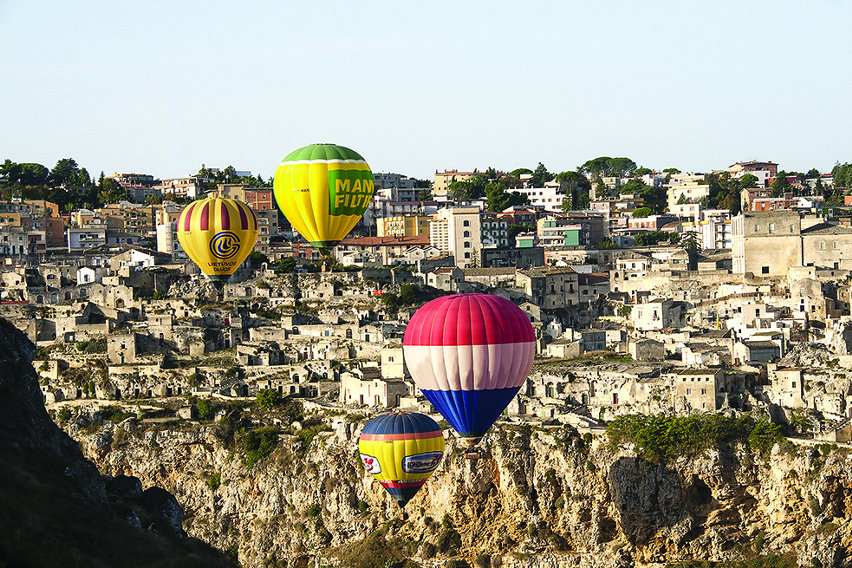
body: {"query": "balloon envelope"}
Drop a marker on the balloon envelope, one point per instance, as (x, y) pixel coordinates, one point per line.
(217, 234)
(401, 450)
(323, 189)
(469, 354)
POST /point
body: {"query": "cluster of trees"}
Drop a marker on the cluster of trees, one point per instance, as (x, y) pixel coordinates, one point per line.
(494, 187)
(842, 175)
(71, 186)
(229, 175)
(67, 184)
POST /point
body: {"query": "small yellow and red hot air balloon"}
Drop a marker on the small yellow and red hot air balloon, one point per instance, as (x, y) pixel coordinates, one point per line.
(217, 234)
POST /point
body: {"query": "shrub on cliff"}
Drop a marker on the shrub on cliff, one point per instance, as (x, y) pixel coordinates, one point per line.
(661, 438)
(258, 444)
(375, 551)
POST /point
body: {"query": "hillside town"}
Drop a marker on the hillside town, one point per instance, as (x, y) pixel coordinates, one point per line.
(650, 292)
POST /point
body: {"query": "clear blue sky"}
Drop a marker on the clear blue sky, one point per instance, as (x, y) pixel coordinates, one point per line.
(160, 87)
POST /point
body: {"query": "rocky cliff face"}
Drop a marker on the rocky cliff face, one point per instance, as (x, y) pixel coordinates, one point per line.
(57, 510)
(536, 498)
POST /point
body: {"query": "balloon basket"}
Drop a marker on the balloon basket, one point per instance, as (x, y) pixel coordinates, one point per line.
(472, 452)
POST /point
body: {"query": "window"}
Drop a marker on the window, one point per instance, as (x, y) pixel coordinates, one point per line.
(467, 255)
(467, 234)
(771, 227)
(465, 223)
(467, 244)
(764, 270)
(822, 245)
(688, 391)
(834, 245)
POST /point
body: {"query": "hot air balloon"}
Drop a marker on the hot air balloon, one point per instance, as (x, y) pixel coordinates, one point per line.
(217, 234)
(323, 190)
(401, 450)
(469, 354)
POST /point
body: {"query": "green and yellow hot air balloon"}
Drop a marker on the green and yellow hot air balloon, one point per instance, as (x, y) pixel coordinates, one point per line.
(323, 189)
(217, 234)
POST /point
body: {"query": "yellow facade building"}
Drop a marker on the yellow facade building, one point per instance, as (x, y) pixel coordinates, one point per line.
(403, 226)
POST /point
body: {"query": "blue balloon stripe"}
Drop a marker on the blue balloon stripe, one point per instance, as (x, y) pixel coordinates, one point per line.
(403, 495)
(471, 413)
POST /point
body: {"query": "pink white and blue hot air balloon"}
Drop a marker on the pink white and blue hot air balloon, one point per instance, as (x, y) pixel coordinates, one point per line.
(469, 354)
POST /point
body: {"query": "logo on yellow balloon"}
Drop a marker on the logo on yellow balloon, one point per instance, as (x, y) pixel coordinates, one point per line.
(224, 245)
(421, 463)
(371, 464)
(349, 191)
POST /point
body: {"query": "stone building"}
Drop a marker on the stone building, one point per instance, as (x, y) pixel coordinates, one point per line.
(785, 386)
(380, 392)
(697, 389)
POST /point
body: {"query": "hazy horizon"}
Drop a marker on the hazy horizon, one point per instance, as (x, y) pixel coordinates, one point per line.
(161, 88)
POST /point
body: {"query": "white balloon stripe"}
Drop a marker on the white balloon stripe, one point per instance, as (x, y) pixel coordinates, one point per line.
(469, 367)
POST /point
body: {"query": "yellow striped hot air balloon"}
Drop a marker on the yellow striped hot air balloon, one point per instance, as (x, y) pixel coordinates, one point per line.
(217, 234)
(401, 450)
(323, 189)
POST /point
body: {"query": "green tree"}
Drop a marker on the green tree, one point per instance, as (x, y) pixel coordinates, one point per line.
(780, 185)
(650, 238)
(596, 167)
(576, 188)
(643, 212)
(748, 181)
(205, 409)
(463, 191)
(408, 294)
(34, 174)
(110, 192)
(642, 172)
(267, 399)
(287, 264)
(842, 174)
(654, 197)
(690, 243)
(498, 199)
(257, 258)
(724, 192)
(540, 176)
(65, 172)
(621, 167)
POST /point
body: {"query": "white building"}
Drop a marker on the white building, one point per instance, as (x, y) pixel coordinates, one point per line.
(691, 191)
(457, 231)
(494, 231)
(549, 197)
(88, 275)
(186, 187)
(691, 211)
(761, 175)
(13, 241)
(85, 238)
